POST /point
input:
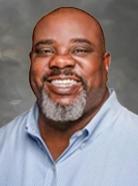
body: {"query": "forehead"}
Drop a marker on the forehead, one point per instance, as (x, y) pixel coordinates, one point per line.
(67, 25)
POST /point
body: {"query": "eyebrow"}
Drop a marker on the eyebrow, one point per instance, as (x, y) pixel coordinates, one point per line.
(75, 40)
(83, 41)
(44, 42)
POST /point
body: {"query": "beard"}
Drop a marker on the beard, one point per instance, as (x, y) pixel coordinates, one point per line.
(63, 113)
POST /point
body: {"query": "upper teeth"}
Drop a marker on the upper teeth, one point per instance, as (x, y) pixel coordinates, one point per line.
(63, 82)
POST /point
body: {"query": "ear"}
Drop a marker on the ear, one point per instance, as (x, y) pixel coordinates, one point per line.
(107, 61)
(30, 56)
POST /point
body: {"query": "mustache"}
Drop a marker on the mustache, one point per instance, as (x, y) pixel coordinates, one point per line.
(66, 72)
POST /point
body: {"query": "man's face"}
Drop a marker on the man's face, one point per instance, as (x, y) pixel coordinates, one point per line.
(67, 62)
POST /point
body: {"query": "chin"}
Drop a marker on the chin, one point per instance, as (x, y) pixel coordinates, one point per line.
(63, 109)
(64, 101)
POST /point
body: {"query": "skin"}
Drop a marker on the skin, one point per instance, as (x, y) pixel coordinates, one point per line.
(68, 38)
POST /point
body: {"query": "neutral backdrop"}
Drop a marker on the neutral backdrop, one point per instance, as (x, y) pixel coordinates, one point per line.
(119, 19)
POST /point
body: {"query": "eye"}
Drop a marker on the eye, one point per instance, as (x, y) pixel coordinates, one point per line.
(81, 51)
(45, 51)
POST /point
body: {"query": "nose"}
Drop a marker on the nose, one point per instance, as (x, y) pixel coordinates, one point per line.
(62, 61)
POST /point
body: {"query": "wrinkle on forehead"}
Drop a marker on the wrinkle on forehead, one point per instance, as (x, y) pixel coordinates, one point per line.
(72, 11)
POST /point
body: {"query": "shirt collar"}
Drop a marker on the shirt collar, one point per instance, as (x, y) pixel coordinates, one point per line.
(32, 121)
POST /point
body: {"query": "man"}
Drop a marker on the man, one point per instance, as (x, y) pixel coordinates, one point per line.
(77, 133)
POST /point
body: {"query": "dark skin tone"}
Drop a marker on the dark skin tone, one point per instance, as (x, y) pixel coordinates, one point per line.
(72, 41)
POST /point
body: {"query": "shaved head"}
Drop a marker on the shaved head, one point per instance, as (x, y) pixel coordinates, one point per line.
(62, 12)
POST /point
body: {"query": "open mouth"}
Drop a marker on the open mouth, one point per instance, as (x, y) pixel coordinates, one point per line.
(63, 81)
(64, 85)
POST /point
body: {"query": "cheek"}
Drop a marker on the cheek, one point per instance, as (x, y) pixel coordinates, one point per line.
(37, 71)
(93, 74)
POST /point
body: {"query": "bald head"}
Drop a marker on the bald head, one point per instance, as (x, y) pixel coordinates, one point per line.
(74, 14)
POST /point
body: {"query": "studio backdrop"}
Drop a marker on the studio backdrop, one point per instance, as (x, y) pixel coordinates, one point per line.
(119, 20)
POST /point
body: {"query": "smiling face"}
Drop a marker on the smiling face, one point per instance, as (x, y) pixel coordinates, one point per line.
(69, 64)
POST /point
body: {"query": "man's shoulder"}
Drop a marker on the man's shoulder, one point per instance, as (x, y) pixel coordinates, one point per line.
(128, 115)
(16, 124)
(127, 122)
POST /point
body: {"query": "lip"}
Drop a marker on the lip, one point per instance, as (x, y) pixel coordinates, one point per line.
(63, 77)
(63, 85)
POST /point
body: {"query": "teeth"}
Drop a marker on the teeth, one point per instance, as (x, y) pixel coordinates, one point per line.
(63, 83)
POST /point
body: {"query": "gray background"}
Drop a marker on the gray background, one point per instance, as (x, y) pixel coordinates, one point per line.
(119, 19)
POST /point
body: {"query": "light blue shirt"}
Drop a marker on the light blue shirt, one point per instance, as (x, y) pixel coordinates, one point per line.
(104, 153)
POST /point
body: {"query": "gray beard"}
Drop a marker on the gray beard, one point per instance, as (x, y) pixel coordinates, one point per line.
(59, 113)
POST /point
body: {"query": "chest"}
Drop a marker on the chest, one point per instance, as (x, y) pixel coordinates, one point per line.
(101, 163)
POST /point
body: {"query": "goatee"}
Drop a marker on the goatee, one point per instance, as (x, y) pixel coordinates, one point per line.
(63, 113)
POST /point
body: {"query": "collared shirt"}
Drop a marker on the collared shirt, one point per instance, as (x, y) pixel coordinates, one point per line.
(104, 153)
